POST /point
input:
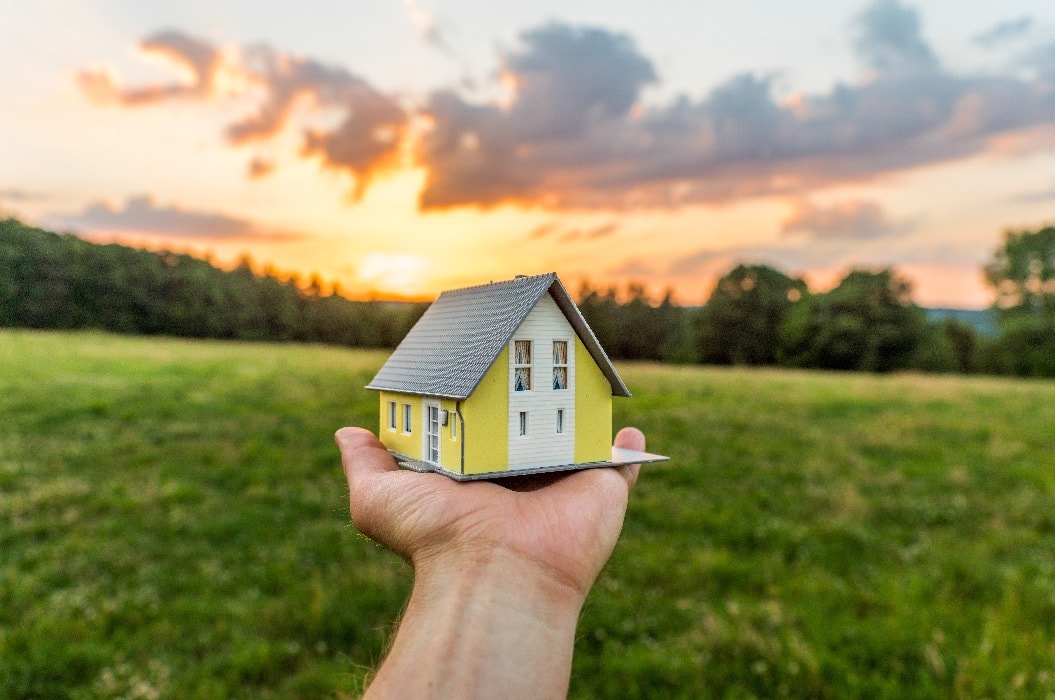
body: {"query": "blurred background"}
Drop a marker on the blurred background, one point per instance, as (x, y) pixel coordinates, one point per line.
(399, 148)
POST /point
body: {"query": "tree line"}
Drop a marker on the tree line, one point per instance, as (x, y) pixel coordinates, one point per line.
(868, 322)
(756, 315)
(49, 280)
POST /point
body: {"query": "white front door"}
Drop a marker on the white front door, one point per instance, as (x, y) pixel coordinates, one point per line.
(430, 449)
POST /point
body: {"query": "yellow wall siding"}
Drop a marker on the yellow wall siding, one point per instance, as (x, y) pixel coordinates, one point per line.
(486, 426)
(397, 440)
(593, 409)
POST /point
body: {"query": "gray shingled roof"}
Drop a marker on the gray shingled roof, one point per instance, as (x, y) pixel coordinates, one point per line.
(452, 346)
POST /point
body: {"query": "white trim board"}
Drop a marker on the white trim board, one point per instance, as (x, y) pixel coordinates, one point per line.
(620, 458)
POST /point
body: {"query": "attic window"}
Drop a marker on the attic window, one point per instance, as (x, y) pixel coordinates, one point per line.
(560, 364)
(522, 365)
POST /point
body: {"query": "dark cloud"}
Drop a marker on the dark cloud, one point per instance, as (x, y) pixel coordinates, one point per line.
(889, 39)
(1005, 32)
(142, 215)
(365, 142)
(199, 58)
(1042, 60)
(576, 136)
(850, 220)
(574, 89)
(568, 77)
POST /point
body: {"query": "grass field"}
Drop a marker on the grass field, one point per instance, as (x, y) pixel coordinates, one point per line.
(173, 523)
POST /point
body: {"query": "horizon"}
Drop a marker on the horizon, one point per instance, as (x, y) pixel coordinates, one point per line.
(621, 290)
(403, 148)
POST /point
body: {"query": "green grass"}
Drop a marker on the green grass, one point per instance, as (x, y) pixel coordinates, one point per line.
(173, 523)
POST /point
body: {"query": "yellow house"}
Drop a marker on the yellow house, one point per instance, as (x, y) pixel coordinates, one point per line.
(501, 379)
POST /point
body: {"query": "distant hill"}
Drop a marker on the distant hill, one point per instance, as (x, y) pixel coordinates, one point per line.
(983, 321)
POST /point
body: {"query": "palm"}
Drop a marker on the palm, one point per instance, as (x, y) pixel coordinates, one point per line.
(569, 523)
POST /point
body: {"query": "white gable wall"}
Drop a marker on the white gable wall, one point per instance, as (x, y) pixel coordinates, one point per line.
(542, 446)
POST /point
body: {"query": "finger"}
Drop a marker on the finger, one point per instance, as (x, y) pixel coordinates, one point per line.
(362, 453)
(630, 439)
(592, 481)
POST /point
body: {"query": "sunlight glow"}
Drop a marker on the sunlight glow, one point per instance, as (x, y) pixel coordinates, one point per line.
(401, 273)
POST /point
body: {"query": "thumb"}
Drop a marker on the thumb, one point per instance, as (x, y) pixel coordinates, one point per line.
(630, 439)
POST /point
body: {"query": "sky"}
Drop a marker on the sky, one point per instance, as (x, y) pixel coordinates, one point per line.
(403, 147)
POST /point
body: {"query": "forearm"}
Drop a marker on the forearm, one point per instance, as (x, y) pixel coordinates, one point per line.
(490, 626)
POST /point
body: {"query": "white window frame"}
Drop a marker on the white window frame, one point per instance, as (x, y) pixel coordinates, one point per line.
(393, 416)
(557, 366)
(523, 424)
(453, 417)
(408, 419)
(560, 421)
(519, 364)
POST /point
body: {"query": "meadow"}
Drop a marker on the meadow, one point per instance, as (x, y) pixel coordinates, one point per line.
(173, 523)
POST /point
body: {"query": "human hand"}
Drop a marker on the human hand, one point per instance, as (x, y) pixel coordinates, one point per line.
(563, 525)
(501, 569)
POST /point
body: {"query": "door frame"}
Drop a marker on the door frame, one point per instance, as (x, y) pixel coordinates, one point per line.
(430, 408)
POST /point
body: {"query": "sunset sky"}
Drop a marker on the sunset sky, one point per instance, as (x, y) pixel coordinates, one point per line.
(403, 147)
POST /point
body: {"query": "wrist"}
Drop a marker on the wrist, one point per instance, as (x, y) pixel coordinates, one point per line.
(509, 576)
(484, 624)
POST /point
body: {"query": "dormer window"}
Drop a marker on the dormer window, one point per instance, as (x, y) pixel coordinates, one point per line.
(522, 365)
(560, 364)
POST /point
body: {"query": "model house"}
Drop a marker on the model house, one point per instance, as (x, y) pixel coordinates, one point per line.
(498, 379)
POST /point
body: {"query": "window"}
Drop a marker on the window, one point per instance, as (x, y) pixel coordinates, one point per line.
(407, 416)
(391, 415)
(560, 364)
(453, 418)
(523, 423)
(522, 365)
(560, 421)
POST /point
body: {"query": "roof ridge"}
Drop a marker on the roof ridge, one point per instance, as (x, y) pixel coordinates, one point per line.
(493, 283)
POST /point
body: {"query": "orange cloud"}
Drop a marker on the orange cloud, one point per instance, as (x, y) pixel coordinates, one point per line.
(260, 167)
(200, 60)
(367, 141)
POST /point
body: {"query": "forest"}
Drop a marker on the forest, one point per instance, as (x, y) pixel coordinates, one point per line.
(756, 316)
(60, 281)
